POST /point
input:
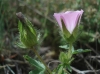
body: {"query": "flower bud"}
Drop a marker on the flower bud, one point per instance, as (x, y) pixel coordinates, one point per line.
(68, 23)
(27, 33)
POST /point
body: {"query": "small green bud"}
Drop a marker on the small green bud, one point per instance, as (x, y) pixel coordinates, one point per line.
(27, 33)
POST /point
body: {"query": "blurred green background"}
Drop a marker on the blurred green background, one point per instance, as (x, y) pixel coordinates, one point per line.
(40, 13)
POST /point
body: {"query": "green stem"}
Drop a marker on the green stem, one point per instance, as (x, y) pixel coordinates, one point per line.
(70, 48)
(69, 55)
(70, 51)
(39, 57)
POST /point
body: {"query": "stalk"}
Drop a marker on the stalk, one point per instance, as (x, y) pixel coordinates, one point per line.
(39, 57)
(70, 51)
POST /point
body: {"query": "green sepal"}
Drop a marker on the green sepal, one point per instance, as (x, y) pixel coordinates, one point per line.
(27, 34)
(65, 31)
(75, 32)
(70, 38)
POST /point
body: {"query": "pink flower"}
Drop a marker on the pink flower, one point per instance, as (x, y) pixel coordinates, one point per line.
(70, 18)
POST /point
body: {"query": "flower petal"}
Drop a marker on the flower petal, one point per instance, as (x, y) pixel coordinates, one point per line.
(71, 18)
(79, 17)
(58, 18)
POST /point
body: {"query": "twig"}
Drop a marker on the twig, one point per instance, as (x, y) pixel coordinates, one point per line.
(6, 66)
(83, 72)
(91, 49)
(94, 57)
(88, 64)
(10, 69)
(17, 61)
(53, 61)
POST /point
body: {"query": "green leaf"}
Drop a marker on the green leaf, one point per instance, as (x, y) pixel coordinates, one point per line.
(81, 51)
(63, 57)
(60, 71)
(36, 72)
(69, 68)
(64, 47)
(40, 68)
